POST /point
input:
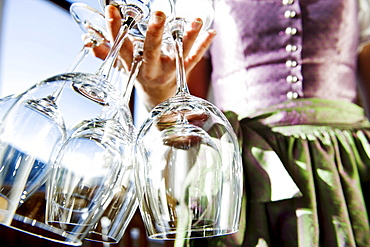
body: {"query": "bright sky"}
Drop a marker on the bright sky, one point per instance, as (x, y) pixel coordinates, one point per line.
(39, 40)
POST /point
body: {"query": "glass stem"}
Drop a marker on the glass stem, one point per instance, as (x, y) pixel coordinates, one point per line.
(78, 59)
(76, 62)
(177, 33)
(106, 66)
(138, 57)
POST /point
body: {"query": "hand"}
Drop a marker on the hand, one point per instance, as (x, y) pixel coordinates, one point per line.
(157, 73)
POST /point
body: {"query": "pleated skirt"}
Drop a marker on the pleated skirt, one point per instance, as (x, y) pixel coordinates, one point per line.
(306, 176)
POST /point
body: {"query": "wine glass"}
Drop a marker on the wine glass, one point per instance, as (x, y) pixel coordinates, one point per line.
(180, 176)
(34, 129)
(25, 231)
(45, 109)
(88, 169)
(92, 22)
(24, 146)
(112, 224)
(189, 172)
(112, 133)
(118, 212)
(90, 88)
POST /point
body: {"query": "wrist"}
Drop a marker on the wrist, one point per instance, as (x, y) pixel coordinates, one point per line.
(154, 95)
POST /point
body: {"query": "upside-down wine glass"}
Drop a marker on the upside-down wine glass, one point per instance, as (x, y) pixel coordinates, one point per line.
(189, 172)
(118, 211)
(63, 211)
(45, 112)
(36, 127)
(52, 130)
(92, 22)
(88, 170)
(111, 226)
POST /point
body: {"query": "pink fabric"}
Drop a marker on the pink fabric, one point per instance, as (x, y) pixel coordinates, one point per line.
(251, 58)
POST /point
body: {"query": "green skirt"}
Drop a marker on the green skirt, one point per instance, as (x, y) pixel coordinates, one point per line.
(307, 176)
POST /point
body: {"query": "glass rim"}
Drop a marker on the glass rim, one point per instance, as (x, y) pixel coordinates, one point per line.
(203, 233)
(69, 239)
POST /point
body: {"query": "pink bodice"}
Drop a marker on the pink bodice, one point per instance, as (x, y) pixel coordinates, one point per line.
(270, 51)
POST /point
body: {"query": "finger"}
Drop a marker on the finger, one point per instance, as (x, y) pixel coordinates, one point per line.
(114, 20)
(101, 51)
(191, 35)
(199, 49)
(153, 41)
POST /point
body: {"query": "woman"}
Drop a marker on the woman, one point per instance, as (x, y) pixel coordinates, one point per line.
(284, 72)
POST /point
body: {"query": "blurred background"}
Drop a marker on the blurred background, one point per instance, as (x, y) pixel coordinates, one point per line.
(39, 39)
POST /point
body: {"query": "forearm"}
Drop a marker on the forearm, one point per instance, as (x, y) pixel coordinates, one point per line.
(364, 74)
(365, 97)
(152, 96)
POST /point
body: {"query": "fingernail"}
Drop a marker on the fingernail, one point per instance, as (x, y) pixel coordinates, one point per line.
(212, 32)
(197, 23)
(157, 19)
(109, 13)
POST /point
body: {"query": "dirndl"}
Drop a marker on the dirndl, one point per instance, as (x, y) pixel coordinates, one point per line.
(306, 176)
